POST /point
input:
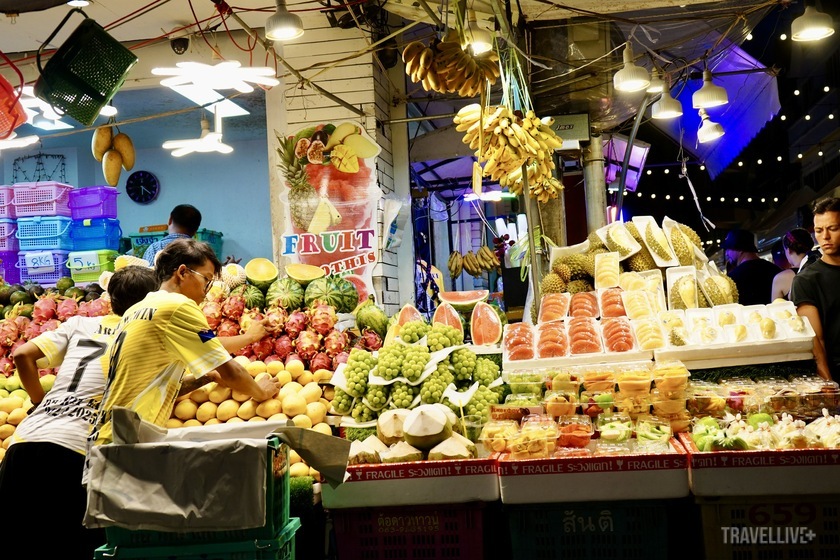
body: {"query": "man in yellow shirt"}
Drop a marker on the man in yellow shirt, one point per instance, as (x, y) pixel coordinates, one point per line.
(165, 335)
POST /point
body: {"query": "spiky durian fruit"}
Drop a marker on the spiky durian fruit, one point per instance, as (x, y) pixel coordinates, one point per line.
(682, 246)
(595, 242)
(692, 235)
(575, 262)
(552, 284)
(534, 312)
(657, 242)
(642, 260)
(619, 240)
(576, 286)
(721, 289)
(684, 293)
(678, 336)
(561, 269)
(702, 302)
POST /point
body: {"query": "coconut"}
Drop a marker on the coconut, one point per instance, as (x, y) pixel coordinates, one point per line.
(401, 452)
(426, 426)
(449, 449)
(467, 443)
(362, 454)
(389, 425)
(375, 443)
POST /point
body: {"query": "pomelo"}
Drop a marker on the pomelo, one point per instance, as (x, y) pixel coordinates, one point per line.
(464, 301)
(445, 314)
(485, 325)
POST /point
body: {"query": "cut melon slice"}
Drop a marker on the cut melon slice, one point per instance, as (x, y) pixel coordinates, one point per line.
(445, 314)
(261, 272)
(464, 301)
(485, 325)
(304, 273)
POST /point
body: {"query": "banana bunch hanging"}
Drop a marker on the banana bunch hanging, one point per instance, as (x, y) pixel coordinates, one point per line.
(476, 264)
(510, 141)
(444, 67)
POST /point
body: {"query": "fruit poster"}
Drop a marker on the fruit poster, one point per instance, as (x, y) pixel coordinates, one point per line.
(331, 199)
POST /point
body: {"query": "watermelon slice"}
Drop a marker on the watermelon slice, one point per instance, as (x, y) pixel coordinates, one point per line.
(445, 314)
(408, 313)
(464, 301)
(485, 325)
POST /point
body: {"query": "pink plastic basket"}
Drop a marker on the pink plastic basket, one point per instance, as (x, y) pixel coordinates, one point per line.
(47, 277)
(8, 239)
(93, 202)
(9, 267)
(7, 209)
(46, 198)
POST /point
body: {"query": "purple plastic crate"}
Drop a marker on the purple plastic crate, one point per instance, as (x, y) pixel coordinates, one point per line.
(8, 267)
(45, 277)
(93, 202)
(7, 209)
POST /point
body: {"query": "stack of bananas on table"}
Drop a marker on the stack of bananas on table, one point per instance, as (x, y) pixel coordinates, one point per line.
(445, 67)
(475, 264)
(510, 141)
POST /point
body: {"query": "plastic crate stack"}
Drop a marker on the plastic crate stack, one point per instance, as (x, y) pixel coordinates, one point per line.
(41, 226)
(8, 240)
(275, 540)
(95, 232)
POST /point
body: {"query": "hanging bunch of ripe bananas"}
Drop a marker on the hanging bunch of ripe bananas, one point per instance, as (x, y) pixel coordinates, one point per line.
(475, 264)
(506, 141)
(444, 67)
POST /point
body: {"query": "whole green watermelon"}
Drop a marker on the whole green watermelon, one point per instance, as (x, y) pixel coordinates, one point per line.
(254, 298)
(285, 292)
(370, 316)
(348, 295)
(324, 290)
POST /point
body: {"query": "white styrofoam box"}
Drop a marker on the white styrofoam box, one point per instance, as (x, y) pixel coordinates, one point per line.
(673, 274)
(607, 270)
(721, 311)
(663, 261)
(625, 235)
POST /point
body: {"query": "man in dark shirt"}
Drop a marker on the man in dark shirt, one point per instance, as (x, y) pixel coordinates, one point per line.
(815, 289)
(752, 274)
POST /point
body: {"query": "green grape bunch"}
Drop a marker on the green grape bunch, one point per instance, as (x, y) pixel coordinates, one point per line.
(413, 331)
(414, 362)
(363, 413)
(390, 360)
(359, 364)
(431, 390)
(377, 396)
(342, 402)
(403, 394)
(486, 371)
(442, 336)
(479, 404)
(464, 361)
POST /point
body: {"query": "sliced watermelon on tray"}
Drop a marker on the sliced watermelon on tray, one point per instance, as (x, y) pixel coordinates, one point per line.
(464, 301)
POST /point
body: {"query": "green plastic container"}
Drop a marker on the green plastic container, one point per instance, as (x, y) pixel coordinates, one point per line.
(276, 514)
(214, 238)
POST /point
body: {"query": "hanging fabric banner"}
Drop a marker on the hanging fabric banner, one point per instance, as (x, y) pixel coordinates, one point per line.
(331, 201)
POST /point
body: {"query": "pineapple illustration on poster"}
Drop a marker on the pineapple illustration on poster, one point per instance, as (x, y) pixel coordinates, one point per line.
(331, 200)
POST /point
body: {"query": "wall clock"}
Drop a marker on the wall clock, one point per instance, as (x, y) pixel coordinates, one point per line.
(142, 187)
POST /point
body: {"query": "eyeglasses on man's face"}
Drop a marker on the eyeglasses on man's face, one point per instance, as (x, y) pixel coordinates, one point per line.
(207, 281)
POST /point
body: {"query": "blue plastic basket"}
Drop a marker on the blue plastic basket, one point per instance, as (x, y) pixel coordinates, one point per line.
(95, 234)
(93, 202)
(52, 232)
(44, 277)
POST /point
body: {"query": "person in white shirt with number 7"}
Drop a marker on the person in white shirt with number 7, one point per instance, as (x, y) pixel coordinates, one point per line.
(41, 473)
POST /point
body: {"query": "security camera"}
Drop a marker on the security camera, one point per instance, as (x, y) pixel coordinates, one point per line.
(179, 44)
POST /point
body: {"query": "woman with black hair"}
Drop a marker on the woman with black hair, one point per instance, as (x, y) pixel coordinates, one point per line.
(796, 243)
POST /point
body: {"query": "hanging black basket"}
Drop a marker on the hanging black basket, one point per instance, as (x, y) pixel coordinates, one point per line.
(85, 72)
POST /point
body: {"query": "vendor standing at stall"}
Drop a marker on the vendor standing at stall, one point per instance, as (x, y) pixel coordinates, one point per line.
(184, 221)
(165, 335)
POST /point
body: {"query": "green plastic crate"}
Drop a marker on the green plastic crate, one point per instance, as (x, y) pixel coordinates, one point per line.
(276, 514)
(87, 266)
(281, 547)
(141, 241)
(214, 238)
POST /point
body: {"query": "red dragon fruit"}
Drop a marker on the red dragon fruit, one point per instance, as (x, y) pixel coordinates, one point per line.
(32, 330)
(7, 367)
(44, 309)
(248, 317)
(99, 307)
(320, 361)
(233, 307)
(307, 344)
(67, 308)
(263, 347)
(50, 325)
(8, 332)
(370, 340)
(283, 346)
(18, 343)
(296, 323)
(340, 358)
(247, 351)
(228, 328)
(272, 358)
(322, 318)
(336, 342)
(84, 309)
(212, 312)
(275, 320)
(22, 322)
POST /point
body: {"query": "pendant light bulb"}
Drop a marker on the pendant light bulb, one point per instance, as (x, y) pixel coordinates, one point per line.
(709, 130)
(632, 77)
(666, 107)
(479, 38)
(812, 25)
(283, 25)
(709, 95)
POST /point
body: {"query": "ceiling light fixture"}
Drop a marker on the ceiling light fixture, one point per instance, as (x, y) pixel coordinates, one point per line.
(666, 107)
(812, 25)
(78, 3)
(709, 130)
(15, 141)
(656, 84)
(225, 75)
(283, 25)
(479, 39)
(108, 111)
(631, 77)
(709, 95)
(206, 143)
